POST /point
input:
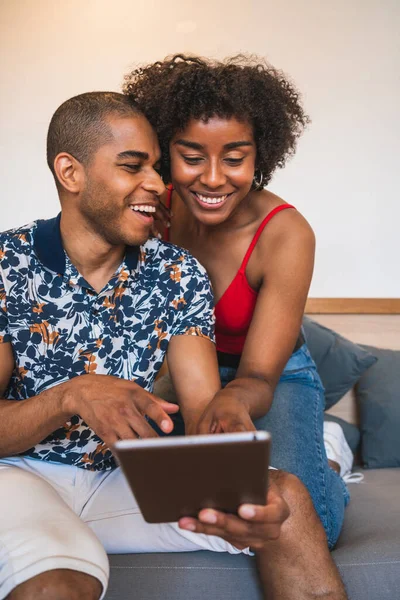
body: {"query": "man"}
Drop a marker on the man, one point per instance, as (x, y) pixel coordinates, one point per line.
(88, 309)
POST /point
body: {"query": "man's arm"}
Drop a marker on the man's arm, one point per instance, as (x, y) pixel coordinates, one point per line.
(25, 423)
(193, 368)
(112, 407)
(192, 364)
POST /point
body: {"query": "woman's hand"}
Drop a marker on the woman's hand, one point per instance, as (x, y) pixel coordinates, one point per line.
(162, 220)
(254, 527)
(224, 414)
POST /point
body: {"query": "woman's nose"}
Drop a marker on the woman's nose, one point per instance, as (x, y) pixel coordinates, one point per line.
(213, 176)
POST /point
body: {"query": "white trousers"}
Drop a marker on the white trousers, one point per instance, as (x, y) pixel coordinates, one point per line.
(55, 516)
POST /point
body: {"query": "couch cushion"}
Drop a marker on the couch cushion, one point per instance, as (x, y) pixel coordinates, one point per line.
(368, 551)
(378, 395)
(340, 363)
(183, 576)
(368, 556)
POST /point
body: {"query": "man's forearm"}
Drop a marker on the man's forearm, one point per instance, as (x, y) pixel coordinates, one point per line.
(24, 423)
(257, 394)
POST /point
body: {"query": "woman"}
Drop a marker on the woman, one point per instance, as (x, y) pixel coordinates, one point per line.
(224, 127)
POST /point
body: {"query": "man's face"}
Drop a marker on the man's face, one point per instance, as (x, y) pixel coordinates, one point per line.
(122, 185)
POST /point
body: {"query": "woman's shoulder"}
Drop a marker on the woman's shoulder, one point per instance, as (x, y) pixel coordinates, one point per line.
(290, 220)
(286, 226)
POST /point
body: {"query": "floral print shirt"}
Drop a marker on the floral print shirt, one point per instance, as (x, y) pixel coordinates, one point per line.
(60, 327)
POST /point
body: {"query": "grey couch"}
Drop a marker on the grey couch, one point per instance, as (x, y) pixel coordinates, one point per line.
(367, 554)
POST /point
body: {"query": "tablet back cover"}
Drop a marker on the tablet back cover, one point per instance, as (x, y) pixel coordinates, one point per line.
(174, 482)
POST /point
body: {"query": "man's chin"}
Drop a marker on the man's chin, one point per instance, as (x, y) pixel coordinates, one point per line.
(136, 240)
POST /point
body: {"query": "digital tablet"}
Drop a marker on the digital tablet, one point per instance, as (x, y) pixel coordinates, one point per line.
(174, 477)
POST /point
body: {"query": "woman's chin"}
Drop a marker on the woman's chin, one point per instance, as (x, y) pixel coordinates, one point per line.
(210, 218)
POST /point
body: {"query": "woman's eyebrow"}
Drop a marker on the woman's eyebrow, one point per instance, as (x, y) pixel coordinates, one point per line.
(197, 146)
(233, 145)
(188, 144)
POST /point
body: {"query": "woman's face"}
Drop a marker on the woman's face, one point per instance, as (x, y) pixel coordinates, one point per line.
(212, 167)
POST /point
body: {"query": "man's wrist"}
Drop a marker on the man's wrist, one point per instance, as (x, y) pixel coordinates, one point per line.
(65, 399)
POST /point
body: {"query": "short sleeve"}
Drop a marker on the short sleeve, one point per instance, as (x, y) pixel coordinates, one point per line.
(4, 331)
(195, 306)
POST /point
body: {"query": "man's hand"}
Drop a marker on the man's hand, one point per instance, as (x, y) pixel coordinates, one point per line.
(224, 414)
(254, 527)
(115, 408)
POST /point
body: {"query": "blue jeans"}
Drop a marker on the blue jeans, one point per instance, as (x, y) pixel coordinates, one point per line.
(295, 422)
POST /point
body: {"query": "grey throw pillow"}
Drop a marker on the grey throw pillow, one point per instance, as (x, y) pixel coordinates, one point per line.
(340, 363)
(378, 395)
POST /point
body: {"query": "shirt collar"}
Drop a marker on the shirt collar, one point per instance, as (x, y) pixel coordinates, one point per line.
(48, 246)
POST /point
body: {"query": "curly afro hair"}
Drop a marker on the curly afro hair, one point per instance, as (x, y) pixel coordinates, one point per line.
(181, 88)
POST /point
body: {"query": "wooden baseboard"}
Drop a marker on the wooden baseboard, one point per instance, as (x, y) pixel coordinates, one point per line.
(372, 306)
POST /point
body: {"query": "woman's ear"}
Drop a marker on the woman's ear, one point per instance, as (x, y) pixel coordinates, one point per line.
(69, 172)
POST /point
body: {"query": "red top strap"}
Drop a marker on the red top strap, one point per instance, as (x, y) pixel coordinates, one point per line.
(259, 231)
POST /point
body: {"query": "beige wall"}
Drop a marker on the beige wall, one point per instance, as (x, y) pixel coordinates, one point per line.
(344, 56)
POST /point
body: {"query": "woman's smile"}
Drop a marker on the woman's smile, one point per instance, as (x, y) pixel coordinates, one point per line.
(209, 200)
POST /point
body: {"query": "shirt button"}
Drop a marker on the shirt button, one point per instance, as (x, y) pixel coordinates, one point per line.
(95, 312)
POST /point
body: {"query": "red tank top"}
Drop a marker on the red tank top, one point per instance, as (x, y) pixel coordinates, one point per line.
(234, 310)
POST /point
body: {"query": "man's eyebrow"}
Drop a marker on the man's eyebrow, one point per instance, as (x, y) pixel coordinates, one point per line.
(133, 154)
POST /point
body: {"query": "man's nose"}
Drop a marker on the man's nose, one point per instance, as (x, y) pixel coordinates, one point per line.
(154, 184)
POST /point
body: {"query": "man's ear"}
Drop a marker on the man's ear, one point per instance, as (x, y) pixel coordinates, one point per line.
(69, 172)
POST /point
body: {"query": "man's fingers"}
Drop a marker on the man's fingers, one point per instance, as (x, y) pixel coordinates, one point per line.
(155, 410)
(169, 407)
(108, 438)
(262, 514)
(276, 511)
(228, 527)
(228, 524)
(233, 529)
(199, 527)
(142, 428)
(124, 432)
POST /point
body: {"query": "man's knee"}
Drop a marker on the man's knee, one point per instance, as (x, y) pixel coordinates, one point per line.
(290, 486)
(298, 499)
(58, 584)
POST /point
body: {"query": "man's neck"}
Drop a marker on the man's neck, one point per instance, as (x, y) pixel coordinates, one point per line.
(95, 259)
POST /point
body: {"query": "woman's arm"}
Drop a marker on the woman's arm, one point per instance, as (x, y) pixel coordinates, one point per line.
(288, 255)
(287, 258)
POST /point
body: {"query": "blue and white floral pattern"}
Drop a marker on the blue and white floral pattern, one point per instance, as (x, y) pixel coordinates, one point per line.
(59, 327)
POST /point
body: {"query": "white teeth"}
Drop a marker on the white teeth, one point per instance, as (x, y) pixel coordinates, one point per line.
(143, 208)
(208, 200)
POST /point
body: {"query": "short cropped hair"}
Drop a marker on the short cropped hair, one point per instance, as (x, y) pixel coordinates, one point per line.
(79, 125)
(181, 88)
